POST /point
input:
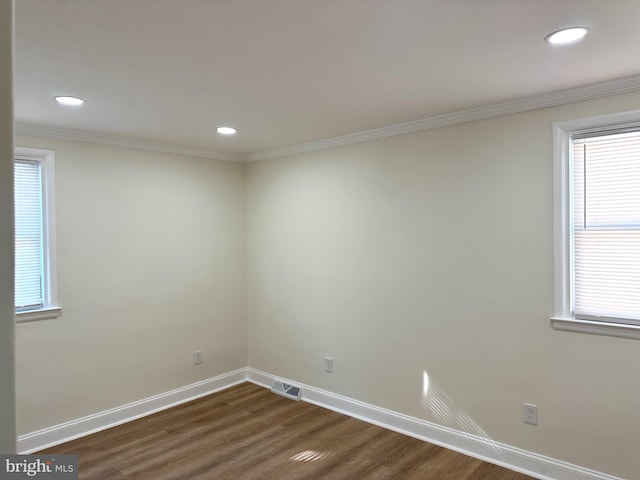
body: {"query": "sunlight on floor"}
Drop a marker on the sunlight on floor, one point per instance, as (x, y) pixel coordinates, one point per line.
(309, 456)
(448, 414)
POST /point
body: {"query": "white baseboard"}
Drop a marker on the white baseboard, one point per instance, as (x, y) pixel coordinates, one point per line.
(529, 463)
(64, 432)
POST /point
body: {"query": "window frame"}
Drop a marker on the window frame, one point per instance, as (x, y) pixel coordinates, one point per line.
(563, 132)
(50, 308)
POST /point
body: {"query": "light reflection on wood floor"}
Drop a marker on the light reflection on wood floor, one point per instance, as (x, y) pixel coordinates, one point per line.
(247, 433)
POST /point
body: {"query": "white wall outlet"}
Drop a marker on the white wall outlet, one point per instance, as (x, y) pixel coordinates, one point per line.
(530, 414)
(328, 364)
(197, 357)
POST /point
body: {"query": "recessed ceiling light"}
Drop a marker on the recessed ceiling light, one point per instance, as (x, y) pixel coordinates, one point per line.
(70, 101)
(566, 35)
(226, 130)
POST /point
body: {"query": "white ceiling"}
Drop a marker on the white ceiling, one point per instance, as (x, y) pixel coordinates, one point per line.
(290, 72)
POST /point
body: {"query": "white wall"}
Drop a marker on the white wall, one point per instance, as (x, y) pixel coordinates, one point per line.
(151, 266)
(433, 252)
(7, 378)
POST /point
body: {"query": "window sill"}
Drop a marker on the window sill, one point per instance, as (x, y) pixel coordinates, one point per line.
(42, 314)
(596, 328)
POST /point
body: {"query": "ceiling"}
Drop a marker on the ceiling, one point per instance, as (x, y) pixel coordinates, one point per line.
(291, 72)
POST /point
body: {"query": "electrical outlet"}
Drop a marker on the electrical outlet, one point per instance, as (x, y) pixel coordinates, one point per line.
(197, 357)
(530, 414)
(328, 364)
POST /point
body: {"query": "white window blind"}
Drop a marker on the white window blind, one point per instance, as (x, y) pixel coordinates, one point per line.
(28, 235)
(606, 227)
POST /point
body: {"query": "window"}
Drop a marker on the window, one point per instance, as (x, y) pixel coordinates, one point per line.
(597, 225)
(35, 266)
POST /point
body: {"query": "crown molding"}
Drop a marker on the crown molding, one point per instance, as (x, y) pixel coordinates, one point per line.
(94, 137)
(534, 102)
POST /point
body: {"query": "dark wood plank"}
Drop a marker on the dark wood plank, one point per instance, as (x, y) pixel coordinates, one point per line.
(248, 433)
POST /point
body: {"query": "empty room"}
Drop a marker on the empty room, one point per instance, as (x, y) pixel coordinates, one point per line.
(341, 239)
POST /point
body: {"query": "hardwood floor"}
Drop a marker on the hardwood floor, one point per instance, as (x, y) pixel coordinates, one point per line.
(246, 433)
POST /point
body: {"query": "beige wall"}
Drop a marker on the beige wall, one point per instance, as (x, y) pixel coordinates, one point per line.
(7, 379)
(151, 266)
(429, 252)
(433, 252)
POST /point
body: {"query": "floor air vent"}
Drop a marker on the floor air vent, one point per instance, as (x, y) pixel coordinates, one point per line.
(286, 390)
